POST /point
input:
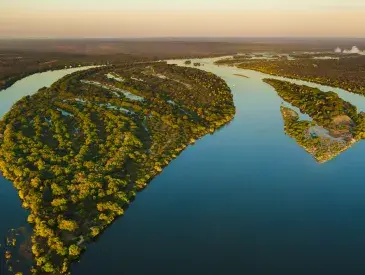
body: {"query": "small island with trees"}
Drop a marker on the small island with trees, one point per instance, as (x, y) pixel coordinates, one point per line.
(336, 124)
(241, 75)
(78, 152)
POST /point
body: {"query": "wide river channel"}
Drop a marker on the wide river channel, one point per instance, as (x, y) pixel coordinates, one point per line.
(245, 200)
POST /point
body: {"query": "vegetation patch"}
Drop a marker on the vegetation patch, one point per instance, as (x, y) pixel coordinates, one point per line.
(241, 75)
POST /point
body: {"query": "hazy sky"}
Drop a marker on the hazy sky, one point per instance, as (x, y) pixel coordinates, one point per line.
(139, 18)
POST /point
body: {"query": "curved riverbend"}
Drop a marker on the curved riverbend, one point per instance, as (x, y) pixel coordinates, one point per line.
(246, 200)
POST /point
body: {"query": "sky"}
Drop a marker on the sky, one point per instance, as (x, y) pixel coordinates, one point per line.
(174, 18)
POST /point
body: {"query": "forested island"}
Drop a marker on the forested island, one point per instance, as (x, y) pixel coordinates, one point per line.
(336, 123)
(315, 139)
(78, 152)
(346, 72)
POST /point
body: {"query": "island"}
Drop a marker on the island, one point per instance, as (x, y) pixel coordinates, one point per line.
(241, 75)
(336, 125)
(80, 150)
(315, 139)
(342, 71)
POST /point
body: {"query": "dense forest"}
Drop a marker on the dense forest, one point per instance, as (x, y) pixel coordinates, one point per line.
(78, 152)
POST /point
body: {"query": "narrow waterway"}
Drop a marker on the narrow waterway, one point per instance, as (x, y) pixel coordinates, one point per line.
(246, 200)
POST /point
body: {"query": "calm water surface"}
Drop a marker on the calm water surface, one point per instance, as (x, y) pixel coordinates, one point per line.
(246, 200)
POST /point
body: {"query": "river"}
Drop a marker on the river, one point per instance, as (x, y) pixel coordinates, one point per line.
(246, 200)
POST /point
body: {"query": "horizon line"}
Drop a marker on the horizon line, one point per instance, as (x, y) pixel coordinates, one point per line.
(175, 37)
